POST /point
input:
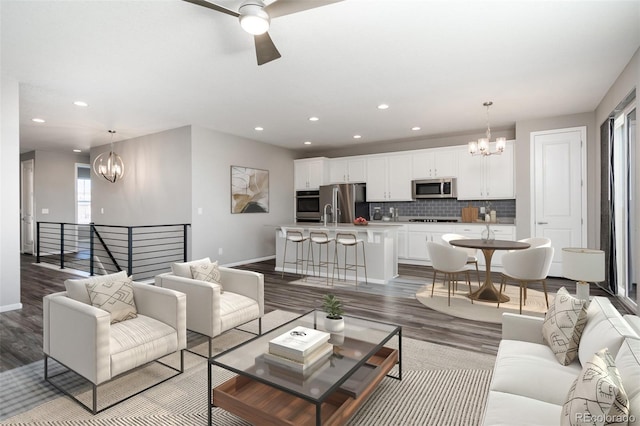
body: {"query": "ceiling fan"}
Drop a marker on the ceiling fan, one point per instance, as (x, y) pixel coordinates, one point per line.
(255, 17)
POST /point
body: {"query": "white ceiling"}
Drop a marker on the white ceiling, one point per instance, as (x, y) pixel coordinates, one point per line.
(148, 66)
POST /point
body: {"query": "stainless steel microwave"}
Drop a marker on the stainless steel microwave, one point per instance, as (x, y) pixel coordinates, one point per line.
(434, 188)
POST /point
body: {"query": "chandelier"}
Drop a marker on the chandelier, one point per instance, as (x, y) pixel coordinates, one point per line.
(481, 147)
(109, 165)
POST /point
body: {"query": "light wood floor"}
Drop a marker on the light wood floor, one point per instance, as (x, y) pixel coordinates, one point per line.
(21, 330)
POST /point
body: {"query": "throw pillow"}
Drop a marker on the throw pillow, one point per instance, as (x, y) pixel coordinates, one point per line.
(563, 325)
(183, 269)
(77, 288)
(115, 297)
(597, 396)
(207, 272)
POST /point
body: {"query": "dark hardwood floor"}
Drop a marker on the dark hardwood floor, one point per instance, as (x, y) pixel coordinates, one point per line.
(21, 330)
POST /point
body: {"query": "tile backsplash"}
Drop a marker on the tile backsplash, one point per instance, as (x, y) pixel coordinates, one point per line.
(445, 207)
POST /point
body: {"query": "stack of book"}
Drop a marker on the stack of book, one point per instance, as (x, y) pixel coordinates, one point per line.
(299, 350)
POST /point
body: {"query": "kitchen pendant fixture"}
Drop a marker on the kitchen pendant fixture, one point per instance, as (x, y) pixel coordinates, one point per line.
(109, 165)
(481, 147)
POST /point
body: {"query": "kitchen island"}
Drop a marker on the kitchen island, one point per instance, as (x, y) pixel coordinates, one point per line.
(380, 243)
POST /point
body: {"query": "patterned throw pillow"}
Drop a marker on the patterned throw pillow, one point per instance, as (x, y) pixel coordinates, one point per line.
(208, 272)
(563, 325)
(597, 396)
(115, 297)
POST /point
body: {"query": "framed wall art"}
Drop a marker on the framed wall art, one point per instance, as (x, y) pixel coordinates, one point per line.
(249, 190)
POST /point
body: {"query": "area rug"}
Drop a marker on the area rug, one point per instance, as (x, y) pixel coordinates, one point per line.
(461, 306)
(440, 386)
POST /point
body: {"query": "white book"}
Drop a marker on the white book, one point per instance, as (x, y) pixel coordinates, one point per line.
(298, 343)
(316, 358)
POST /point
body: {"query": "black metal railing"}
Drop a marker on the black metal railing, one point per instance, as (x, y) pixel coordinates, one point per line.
(142, 251)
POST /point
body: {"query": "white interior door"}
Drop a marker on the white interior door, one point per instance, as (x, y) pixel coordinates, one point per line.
(559, 198)
(27, 222)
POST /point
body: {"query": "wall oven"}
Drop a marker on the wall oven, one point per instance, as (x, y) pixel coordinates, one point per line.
(308, 206)
(434, 188)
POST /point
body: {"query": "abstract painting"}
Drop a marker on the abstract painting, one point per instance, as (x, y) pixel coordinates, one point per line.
(249, 190)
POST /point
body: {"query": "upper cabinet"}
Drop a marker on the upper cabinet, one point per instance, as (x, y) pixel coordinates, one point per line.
(310, 173)
(486, 178)
(389, 178)
(435, 163)
(347, 170)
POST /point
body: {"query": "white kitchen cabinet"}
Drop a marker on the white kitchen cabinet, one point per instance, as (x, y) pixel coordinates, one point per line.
(419, 235)
(347, 170)
(501, 232)
(310, 173)
(402, 241)
(389, 178)
(433, 163)
(486, 178)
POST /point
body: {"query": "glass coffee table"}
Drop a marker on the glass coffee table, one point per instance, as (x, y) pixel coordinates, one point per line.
(329, 394)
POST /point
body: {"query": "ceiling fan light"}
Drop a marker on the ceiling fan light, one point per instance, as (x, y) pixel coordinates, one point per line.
(253, 19)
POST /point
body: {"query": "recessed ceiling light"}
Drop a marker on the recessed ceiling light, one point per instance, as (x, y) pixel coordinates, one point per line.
(259, 128)
(313, 119)
(37, 120)
(415, 128)
(81, 104)
(383, 106)
(77, 150)
(307, 143)
(357, 136)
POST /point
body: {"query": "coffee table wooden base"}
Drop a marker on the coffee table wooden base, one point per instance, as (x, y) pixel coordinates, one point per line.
(262, 404)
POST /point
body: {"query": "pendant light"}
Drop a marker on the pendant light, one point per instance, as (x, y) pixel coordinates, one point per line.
(481, 147)
(109, 165)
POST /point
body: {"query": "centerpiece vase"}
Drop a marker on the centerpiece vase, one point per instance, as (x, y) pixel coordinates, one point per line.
(488, 234)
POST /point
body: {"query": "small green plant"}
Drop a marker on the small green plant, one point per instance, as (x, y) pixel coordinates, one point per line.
(332, 306)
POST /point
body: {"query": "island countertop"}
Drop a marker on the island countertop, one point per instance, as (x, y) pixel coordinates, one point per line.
(344, 226)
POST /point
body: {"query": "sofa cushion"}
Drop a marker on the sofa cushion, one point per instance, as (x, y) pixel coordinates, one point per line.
(183, 269)
(628, 363)
(506, 409)
(208, 272)
(139, 341)
(563, 325)
(236, 309)
(597, 396)
(531, 370)
(115, 297)
(634, 322)
(77, 288)
(605, 328)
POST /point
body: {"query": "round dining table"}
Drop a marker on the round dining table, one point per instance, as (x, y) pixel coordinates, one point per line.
(487, 291)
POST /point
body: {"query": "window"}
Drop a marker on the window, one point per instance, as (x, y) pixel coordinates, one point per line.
(83, 194)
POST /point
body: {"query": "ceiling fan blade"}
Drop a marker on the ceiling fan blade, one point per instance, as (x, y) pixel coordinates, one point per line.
(265, 49)
(287, 7)
(213, 6)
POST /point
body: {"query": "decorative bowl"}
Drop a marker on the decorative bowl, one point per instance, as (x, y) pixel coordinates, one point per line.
(361, 223)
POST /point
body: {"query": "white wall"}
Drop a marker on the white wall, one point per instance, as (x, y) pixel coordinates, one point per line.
(9, 195)
(156, 187)
(241, 236)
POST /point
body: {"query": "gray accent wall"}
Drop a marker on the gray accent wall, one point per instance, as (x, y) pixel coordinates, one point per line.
(241, 236)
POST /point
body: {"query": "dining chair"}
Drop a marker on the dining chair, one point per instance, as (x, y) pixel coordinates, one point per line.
(449, 261)
(537, 242)
(525, 267)
(472, 254)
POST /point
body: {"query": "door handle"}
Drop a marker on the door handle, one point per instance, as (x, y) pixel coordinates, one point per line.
(543, 223)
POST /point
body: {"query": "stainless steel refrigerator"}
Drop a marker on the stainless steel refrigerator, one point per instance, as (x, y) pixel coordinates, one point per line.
(343, 202)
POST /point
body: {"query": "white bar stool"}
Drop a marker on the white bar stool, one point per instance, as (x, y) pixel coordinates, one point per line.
(296, 236)
(321, 238)
(349, 239)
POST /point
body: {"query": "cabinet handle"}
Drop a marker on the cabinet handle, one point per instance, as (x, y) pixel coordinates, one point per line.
(543, 223)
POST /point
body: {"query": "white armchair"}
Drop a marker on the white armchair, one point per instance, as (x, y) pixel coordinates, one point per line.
(82, 338)
(213, 309)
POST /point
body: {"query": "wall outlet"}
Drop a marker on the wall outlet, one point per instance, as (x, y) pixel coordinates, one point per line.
(220, 251)
(45, 211)
(482, 210)
(101, 210)
(199, 210)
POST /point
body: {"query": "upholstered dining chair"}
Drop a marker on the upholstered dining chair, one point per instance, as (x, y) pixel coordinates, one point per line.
(472, 254)
(537, 242)
(108, 325)
(218, 300)
(449, 261)
(525, 267)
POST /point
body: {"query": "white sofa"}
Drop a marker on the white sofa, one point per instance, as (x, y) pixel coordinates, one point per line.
(213, 309)
(529, 386)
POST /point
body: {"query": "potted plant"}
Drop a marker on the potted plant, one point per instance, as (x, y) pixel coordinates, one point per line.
(332, 306)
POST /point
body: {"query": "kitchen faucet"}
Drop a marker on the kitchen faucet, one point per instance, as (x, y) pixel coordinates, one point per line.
(325, 212)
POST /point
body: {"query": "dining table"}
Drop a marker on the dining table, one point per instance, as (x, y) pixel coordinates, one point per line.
(487, 291)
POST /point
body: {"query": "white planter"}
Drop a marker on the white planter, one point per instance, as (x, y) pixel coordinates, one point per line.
(333, 325)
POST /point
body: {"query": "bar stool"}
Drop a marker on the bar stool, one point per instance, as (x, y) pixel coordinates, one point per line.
(320, 237)
(349, 239)
(296, 236)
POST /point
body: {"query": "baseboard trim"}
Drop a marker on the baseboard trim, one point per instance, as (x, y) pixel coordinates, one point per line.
(244, 262)
(14, 307)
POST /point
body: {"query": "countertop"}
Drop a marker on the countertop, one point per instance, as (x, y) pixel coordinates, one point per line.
(377, 226)
(405, 220)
